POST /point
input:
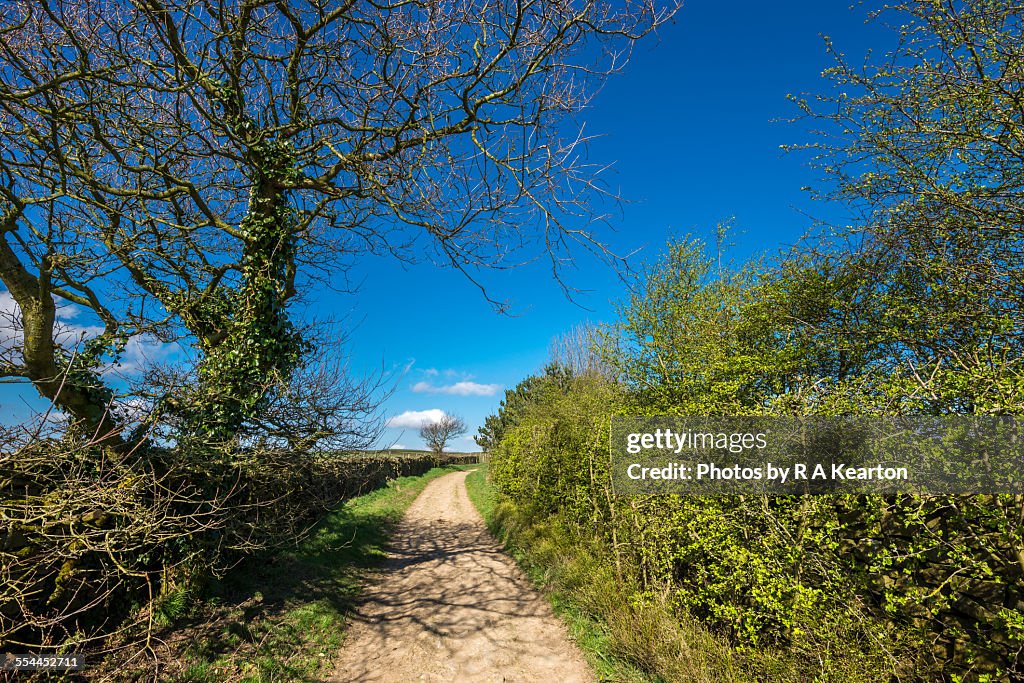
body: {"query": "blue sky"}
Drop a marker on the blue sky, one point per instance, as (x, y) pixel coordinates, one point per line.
(692, 129)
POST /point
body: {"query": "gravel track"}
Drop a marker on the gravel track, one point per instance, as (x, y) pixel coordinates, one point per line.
(448, 605)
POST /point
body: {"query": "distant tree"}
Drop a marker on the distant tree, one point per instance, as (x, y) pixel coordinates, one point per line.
(494, 427)
(438, 434)
(556, 375)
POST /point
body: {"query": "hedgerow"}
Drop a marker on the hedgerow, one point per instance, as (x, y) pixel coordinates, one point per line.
(96, 547)
(847, 587)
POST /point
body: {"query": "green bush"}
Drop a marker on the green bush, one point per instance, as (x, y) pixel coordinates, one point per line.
(847, 587)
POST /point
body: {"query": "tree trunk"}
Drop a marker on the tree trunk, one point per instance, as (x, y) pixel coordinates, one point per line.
(51, 374)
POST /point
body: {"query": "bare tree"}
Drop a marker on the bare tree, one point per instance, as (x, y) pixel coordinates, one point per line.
(182, 171)
(578, 351)
(182, 168)
(438, 434)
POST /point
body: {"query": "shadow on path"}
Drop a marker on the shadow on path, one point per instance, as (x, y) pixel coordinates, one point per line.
(449, 605)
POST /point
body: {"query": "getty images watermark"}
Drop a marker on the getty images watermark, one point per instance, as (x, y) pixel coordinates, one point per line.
(953, 454)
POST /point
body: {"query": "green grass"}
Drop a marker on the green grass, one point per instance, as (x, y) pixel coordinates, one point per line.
(546, 561)
(483, 495)
(281, 616)
(636, 636)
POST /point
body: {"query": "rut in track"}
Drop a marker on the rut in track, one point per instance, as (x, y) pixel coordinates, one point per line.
(449, 605)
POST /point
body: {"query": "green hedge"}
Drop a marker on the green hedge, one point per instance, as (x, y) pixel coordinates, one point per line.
(91, 539)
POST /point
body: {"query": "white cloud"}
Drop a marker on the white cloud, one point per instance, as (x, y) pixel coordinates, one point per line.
(398, 447)
(139, 351)
(133, 409)
(10, 319)
(414, 419)
(457, 389)
(65, 334)
(69, 336)
(67, 311)
(7, 304)
(57, 417)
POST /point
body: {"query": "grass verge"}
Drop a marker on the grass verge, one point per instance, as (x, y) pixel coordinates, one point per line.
(635, 636)
(282, 616)
(624, 639)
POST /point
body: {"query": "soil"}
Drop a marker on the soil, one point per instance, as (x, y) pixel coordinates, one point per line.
(448, 605)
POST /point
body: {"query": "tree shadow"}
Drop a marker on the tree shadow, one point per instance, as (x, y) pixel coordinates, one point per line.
(268, 603)
(450, 595)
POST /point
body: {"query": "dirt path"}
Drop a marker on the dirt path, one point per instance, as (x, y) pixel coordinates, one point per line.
(450, 606)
